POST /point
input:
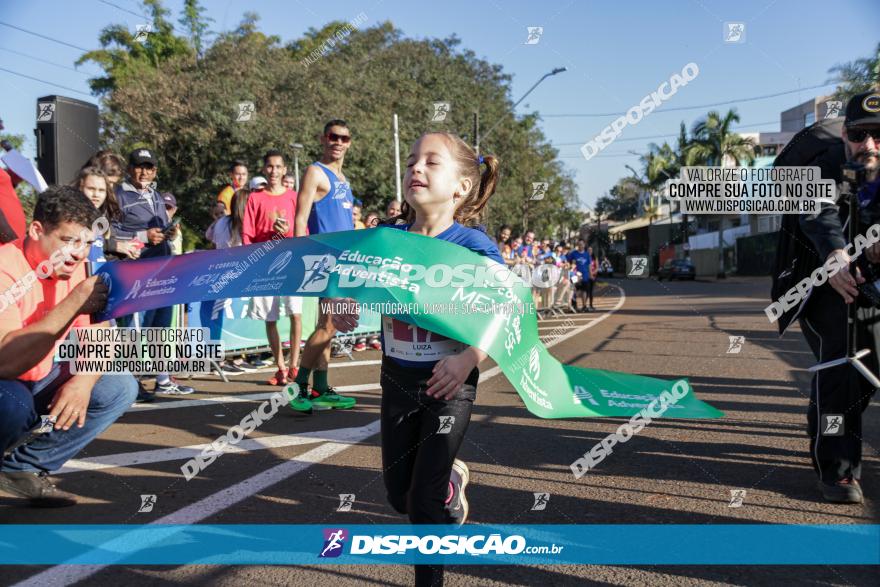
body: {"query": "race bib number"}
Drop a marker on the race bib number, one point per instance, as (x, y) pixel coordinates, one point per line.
(410, 343)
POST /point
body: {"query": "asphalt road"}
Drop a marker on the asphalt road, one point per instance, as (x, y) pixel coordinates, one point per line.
(294, 467)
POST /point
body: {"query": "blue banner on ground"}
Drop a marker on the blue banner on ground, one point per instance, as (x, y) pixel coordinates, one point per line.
(246, 544)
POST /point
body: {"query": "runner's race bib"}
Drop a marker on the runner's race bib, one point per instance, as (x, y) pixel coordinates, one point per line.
(410, 343)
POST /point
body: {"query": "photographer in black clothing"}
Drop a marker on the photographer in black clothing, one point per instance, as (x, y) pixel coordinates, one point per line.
(839, 395)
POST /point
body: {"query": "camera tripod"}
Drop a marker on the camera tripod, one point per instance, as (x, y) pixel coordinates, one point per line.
(852, 174)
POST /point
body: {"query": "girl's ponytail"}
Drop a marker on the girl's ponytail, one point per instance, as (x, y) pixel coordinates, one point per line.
(470, 211)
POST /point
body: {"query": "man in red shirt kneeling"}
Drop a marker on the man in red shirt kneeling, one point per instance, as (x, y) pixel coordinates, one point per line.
(44, 292)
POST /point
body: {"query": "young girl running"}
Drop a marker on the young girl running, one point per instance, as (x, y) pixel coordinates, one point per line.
(447, 186)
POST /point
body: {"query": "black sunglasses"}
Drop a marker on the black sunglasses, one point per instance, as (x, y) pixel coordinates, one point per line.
(857, 135)
(333, 137)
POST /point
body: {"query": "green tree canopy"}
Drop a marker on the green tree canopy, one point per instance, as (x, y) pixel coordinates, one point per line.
(183, 102)
(124, 56)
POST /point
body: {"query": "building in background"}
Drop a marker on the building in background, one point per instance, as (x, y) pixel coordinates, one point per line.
(747, 243)
(803, 115)
(768, 144)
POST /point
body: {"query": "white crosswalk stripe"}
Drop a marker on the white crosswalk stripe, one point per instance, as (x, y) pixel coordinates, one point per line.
(174, 453)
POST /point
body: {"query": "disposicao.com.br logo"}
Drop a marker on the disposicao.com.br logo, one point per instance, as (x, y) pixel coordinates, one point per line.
(357, 269)
(429, 544)
(334, 542)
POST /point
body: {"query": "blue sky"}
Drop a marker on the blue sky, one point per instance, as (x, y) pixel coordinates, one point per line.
(615, 52)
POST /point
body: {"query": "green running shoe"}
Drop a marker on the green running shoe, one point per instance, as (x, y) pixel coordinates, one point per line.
(330, 400)
(300, 401)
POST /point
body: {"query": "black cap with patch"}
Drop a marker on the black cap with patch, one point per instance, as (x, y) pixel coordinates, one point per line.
(141, 156)
(863, 108)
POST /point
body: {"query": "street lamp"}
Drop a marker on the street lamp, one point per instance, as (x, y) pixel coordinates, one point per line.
(478, 138)
(296, 149)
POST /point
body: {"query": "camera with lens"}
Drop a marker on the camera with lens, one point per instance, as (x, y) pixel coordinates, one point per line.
(862, 181)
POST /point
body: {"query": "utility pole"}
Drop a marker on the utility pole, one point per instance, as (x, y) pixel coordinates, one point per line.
(477, 133)
(722, 273)
(397, 161)
(684, 230)
(296, 149)
(545, 76)
(478, 138)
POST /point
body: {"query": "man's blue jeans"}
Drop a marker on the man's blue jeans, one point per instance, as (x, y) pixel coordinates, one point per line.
(22, 403)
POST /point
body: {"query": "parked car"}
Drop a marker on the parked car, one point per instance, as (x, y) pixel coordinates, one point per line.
(677, 269)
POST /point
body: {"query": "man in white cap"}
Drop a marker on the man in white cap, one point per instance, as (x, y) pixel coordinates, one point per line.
(145, 218)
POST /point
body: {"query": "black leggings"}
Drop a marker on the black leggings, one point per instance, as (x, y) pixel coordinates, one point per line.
(416, 459)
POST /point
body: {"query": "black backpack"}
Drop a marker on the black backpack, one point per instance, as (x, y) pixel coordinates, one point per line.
(817, 145)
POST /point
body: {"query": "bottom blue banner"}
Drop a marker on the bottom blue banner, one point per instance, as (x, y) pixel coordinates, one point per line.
(246, 544)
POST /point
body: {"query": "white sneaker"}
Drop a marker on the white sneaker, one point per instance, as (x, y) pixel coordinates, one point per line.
(172, 387)
(457, 507)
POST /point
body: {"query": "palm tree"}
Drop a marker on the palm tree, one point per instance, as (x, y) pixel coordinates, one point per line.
(621, 200)
(856, 76)
(651, 209)
(661, 164)
(682, 147)
(714, 143)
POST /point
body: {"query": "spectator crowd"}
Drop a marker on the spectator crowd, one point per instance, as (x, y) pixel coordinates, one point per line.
(562, 275)
(47, 414)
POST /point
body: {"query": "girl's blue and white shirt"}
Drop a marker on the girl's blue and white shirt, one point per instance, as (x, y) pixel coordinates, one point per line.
(411, 346)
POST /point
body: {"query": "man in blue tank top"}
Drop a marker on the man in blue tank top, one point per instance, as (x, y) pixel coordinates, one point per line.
(324, 205)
